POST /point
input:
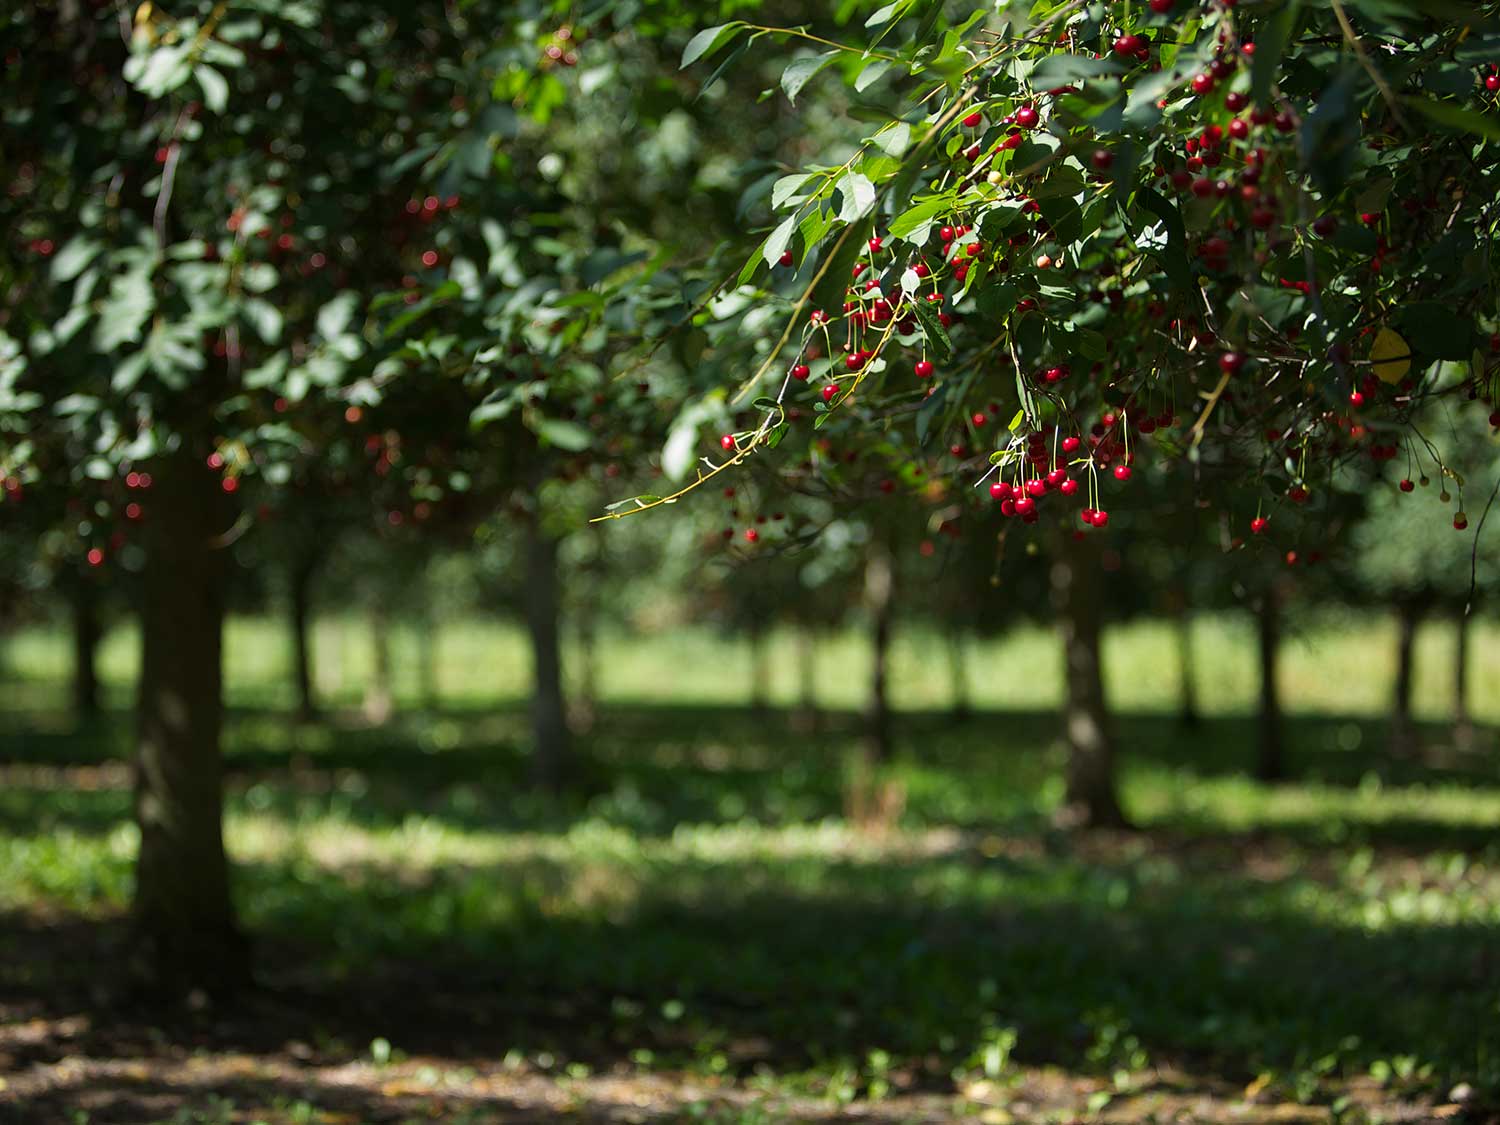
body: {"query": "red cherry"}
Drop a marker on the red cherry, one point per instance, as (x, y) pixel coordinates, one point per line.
(1203, 83)
(1231, 362)
(801, 372)
(1234, 101)
(1161, 7)
(829, 390)
(1406, 486)
(1070, 444)
(1460, 521)
(1000, 490)
(1258, 524)
(1492, 82)
(923, 369)
(1099, 518)
(1025, 505)
(973, 119)
(1103, 159)
(1324, 226)
(727, 441)
(1027, 116)
(786, 258)
(751, 535)
(95, 556)
(1122, 472)
(1067, 486)
(1239, 128)
(875, 245)
(1297, 494)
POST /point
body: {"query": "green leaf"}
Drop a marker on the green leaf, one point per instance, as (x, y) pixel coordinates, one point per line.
(914, 223)
(215, 88)
(71, 260)
(266, 319)
(334, 317)
(800, 70)
(1436, 330)
(125, 312)
(858, 194)
(1174, 258)
(932, 328)
(779, 240)
(128, 372)
(707, 41)
(1064, 70)
(872, 72)
(894, 140)
(1270, 51)
(258, 277)
(565, 435)
(887, 13)
(829, 293)
(787, 188)
(1457, 117)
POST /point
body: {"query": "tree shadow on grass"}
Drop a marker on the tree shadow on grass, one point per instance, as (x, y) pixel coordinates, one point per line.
(648, 769)
(798, 961)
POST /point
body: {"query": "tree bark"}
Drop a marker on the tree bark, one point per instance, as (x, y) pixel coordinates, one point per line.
(807, 716)
(87, 633)
(1189, 716)
(378, 698)
(1403, 734)
(880, 600)
(427, 654)
(301, 623)
(760, 668)
(1078, 597)
(183, 915)
(549, 727)
(1463, 724)
(1270, 759)
(962, 707)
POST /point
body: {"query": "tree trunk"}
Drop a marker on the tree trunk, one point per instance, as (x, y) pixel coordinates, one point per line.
(1270, 759)
(549, 727)
(585, 703)
(760, 668)
(87, 633)
(301, 623)
(378, 699)
(807, 718)
(427, 655)
(1189, 716)
(183, 915)
(1403, 734)
(1078, 598)
(880, 583)
(962, 707)
(1463, 724)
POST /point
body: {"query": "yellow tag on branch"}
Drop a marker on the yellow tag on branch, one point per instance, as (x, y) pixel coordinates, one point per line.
(1390, 355)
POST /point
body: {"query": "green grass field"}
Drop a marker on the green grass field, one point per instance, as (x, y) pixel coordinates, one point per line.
(697, 932)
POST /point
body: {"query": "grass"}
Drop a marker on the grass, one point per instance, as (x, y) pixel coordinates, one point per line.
(697, 916)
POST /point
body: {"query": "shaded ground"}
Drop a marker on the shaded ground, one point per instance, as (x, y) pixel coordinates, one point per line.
(694, 933)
